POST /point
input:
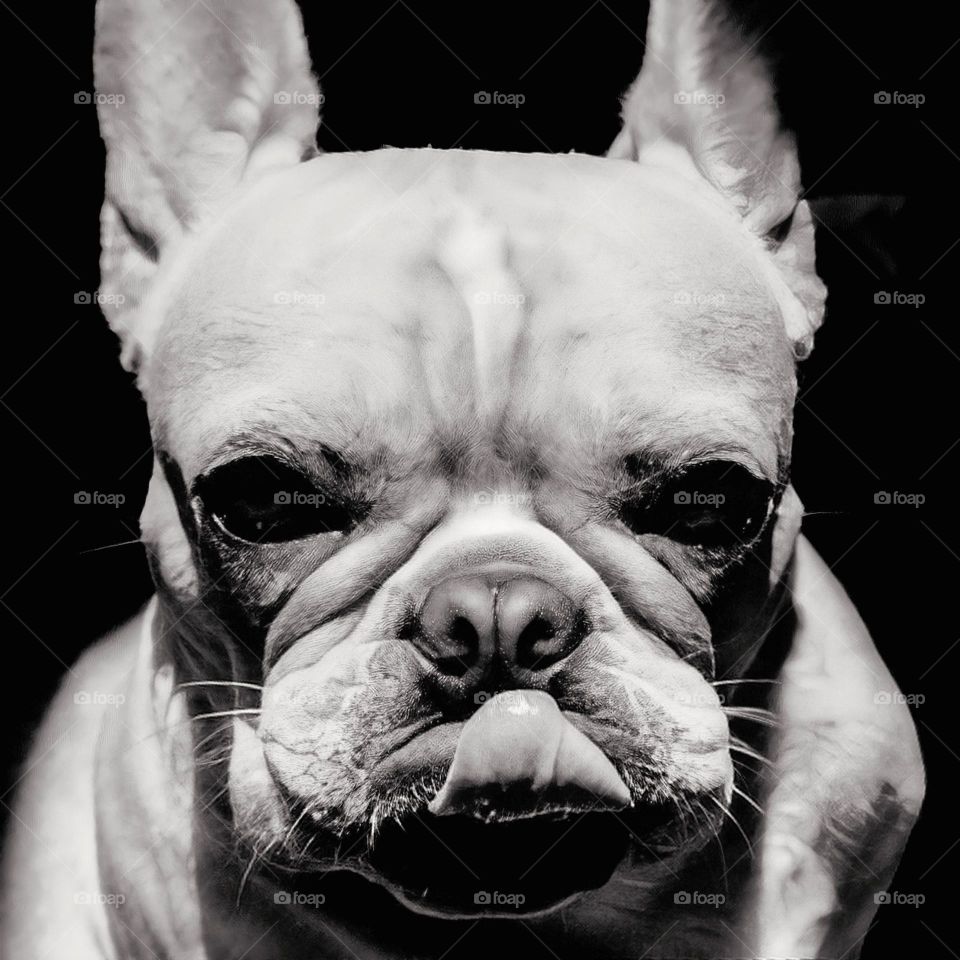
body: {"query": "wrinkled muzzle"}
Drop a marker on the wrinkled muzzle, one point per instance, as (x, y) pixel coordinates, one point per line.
(491, 697)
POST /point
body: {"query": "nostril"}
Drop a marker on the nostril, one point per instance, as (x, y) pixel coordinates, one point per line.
(456, 625)
(535, 642)
(461, 631)
(477, 624)
(454, 646)
(544, 642)
(537, 624)
(459, 649)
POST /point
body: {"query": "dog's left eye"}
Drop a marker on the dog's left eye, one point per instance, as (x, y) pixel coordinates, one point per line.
(263, 500)
(718, 505)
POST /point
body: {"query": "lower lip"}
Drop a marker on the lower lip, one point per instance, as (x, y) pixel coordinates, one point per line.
(531, 865)
(459, 866)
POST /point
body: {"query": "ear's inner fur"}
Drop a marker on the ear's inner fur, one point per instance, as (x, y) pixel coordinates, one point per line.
(146, 243)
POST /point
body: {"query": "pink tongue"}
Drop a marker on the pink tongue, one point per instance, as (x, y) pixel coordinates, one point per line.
(518, 755)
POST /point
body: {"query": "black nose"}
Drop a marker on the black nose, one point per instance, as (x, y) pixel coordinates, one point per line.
(526, 623)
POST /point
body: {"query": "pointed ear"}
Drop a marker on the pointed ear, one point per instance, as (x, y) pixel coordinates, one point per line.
(704, 105)
(193, 98)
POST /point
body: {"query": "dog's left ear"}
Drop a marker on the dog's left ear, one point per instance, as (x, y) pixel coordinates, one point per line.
(193, 99)
(704, 105)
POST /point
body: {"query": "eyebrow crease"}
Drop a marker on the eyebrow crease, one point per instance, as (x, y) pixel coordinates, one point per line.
(665, 463)
(313, 456)
(260, 441)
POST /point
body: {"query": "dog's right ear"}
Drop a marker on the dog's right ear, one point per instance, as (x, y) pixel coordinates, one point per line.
(193, 98)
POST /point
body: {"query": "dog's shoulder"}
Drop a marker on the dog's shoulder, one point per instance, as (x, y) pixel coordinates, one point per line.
(52, 902)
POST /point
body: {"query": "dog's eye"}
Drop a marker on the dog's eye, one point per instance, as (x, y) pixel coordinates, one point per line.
(262, 500)
(718, 505)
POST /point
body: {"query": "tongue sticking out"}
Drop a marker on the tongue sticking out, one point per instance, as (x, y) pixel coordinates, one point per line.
(519, 756)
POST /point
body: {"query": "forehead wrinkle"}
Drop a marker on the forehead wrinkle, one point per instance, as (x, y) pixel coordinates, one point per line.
(602, 434)
(754, 442)
(476, 257)
(220, 423)
(718, 344)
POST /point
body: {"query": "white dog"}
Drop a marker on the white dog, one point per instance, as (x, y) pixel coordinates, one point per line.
(471, 513)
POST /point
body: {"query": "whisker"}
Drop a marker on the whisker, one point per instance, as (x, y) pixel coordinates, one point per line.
(685, 814)
(743, 770)
(716, 838)
(740, 747)
(756, 714)
(200, 744)
(239, 712)
(722, 683)
(212, 761)
(219, 683)
(727, 813)
(257, 856)
(753, 803)
(111, 546)
(296, 823)
(173, 727)
(218, 794)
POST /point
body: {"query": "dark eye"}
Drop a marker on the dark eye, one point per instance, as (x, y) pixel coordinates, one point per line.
(263, 500)
(718, 505)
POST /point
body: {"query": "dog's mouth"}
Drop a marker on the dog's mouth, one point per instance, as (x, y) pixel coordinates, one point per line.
(528, 814)
(460, 866)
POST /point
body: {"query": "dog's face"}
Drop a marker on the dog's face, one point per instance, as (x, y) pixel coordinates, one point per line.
(460, 455)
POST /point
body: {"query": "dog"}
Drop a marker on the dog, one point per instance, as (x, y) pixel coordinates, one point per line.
(483, 618)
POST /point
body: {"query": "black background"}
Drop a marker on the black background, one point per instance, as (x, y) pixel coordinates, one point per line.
(877, 406)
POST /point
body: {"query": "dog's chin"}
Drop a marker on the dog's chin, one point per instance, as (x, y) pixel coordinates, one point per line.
(513, 862)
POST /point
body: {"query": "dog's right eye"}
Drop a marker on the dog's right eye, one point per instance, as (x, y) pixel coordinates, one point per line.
(263, 500)
(714, 505)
